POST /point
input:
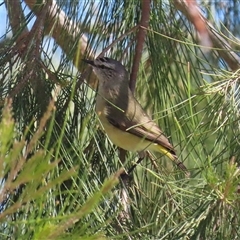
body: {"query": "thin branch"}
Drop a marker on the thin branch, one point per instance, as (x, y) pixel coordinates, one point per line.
(28, 44)
(37, 29)
(17, 20)
(222, 47)
(199, 23)
(16, 17)
(66, 33)
(140, 42)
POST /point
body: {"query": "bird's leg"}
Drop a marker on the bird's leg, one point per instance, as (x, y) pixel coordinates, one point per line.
(142, 155)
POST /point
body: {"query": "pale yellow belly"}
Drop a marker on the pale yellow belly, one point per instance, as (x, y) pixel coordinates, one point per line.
(121, 138)
(125, 140)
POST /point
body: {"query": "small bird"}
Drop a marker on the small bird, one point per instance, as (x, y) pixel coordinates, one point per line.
(122, 117)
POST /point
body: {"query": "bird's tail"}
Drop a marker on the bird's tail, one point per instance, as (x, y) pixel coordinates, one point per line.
(174, 158)
(179, 164)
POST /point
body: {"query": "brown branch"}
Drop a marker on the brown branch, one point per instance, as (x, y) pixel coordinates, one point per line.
(66, 33)
(17, 20)
(28, 49)
(37, 30)
(199, 23)
(16, 17)
(140, 42)
(60, 27)
(222, 47)
(28, 46)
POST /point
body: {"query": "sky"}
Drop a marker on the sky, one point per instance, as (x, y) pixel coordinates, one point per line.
(3, 17)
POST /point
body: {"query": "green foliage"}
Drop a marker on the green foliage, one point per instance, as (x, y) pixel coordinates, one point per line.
(30, 190)
(54, 159)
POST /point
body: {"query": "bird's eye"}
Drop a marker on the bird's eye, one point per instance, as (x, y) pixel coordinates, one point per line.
(103, 66)
(103, 63)
(103, 59)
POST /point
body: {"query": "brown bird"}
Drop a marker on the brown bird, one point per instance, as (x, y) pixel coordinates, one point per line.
(124, 120)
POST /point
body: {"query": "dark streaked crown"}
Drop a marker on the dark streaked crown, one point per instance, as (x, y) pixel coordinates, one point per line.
(108, 67)
(106, 63)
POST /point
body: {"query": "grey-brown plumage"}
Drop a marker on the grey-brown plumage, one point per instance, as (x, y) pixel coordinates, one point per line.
(122, 117)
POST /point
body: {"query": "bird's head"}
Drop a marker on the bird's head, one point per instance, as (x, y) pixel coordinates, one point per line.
(108, 69)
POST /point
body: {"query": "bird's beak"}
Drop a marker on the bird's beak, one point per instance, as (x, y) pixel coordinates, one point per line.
(90, 62)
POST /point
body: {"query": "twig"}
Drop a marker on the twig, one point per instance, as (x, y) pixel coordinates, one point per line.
(140, 42)
(222, 47)
(199, 23)
(67, 34)
(16, 17)
(141, 157)
(28, 43)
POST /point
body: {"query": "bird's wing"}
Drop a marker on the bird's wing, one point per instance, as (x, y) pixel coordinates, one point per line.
(133, 119)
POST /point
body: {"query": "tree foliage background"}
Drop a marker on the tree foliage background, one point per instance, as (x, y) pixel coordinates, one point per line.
(60, 173)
